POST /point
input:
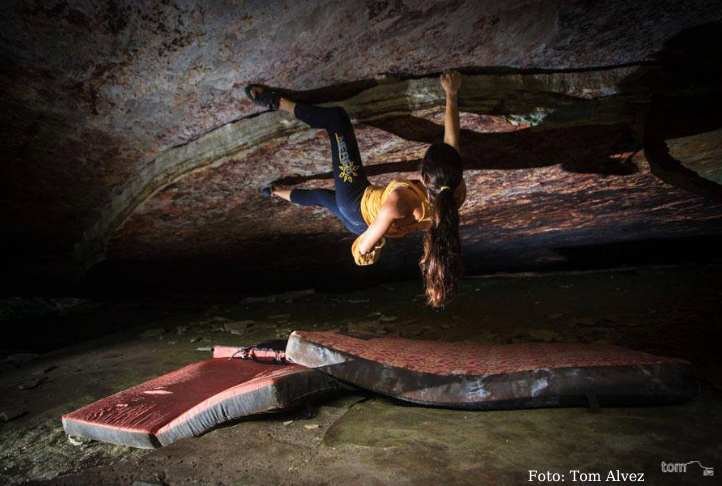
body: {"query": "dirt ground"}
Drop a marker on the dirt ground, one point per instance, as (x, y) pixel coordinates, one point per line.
(360, 438)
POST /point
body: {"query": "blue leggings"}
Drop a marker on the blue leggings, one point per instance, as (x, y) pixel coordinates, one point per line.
(349, 175)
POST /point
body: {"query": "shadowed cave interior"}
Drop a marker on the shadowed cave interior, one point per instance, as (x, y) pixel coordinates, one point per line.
(135, 235)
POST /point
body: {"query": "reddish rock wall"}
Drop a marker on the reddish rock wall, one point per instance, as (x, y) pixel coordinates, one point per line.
(96, 97)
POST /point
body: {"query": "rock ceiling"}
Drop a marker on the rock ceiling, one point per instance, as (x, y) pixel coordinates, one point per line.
(128, 138)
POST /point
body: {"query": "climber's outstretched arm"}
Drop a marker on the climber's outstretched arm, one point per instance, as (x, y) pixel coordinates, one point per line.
(451, 82)
(390, 211)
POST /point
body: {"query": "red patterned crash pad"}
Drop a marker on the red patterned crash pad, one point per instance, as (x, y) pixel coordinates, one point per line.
(190, 401)
(486, 376)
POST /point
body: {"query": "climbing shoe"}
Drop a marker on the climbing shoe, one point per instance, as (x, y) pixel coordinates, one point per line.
(263, 96)
(267, 191)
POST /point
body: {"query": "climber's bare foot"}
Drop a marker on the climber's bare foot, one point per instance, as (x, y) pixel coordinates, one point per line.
(286, 105)
(283, 192)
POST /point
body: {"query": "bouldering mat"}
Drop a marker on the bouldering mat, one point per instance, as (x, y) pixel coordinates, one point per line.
(490, 376)
(193, 399)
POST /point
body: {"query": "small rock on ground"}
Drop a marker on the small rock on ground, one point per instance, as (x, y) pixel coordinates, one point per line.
(154, 332)
(32, 383)
(8, 414)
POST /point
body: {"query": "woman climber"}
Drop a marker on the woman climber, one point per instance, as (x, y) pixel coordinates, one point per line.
(403, 206)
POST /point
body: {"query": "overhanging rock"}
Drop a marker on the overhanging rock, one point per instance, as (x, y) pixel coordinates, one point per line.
(598, 95)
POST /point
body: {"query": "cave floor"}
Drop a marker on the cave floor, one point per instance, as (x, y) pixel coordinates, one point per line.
(367, 439)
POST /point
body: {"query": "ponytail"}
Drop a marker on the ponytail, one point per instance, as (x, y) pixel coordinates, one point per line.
(441, 264)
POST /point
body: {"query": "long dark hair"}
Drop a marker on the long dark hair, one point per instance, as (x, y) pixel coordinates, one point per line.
(441, 264)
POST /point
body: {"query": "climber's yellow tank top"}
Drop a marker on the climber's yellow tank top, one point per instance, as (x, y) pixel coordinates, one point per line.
(375, 196)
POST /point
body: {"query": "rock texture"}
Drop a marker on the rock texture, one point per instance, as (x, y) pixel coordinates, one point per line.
(127, 137)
